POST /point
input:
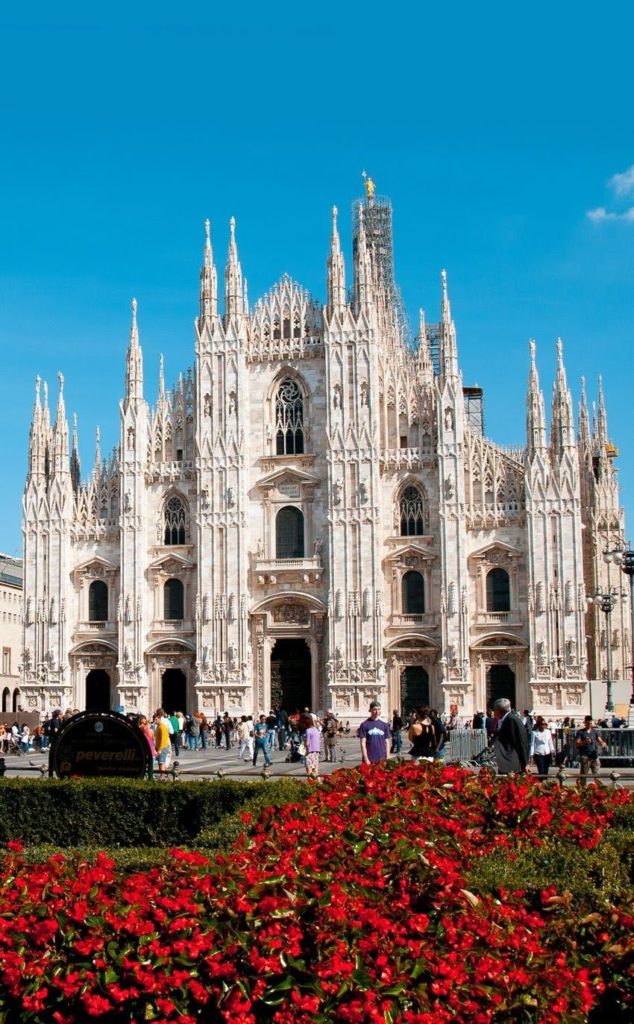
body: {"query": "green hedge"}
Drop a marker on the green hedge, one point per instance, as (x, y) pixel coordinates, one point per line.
(111, 813)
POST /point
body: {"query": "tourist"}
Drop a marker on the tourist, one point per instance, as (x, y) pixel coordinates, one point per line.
(144, 726)
(162, 743)
(510, 741)
(245, 739)
(422, 736)
(440, 729)
(282, 728)
(271, 729)
(259, 735)
(542, 748)
(175, 736)
(194, 733)
(227, 729)
(312, 742)
(217, 730)
(397, 737)
(374, 735)
(330, 731)
(587, 742)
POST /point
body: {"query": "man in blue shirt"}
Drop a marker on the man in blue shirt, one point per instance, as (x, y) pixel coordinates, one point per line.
(375, 736)
(259, 732)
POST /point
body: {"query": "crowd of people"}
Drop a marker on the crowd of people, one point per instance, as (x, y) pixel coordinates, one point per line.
(516, 741)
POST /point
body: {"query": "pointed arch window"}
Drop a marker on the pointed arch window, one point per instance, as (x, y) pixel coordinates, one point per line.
(175, 520)
(174, 600)
(98, 601)
(289, 533)
(289, 419)
(412, 513)
(498, 591)
(413, 593)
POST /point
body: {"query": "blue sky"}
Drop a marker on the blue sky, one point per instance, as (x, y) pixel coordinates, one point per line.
(496, 129)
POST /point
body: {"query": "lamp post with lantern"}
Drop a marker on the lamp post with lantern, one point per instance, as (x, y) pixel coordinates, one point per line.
(605, 601)
(627, 566)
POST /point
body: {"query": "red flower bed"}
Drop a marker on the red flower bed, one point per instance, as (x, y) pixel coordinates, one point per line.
(352, 906)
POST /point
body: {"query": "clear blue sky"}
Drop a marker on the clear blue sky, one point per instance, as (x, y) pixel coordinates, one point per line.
(496, 129)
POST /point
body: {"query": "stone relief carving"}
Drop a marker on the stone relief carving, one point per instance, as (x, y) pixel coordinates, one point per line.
(292, 613)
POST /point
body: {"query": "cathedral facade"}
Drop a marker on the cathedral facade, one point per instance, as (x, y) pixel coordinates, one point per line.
(313, 516)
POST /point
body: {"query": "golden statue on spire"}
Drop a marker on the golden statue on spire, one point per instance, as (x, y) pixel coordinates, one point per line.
(370, 187)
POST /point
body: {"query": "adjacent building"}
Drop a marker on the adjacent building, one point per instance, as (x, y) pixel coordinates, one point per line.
(10, 631)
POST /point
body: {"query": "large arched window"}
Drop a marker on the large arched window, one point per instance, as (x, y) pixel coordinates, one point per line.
(174, 520)
(289, 419)
(289, 533)
(498, 591)
(412, 513)
(98, 601)
(413, 593)
(174, 600)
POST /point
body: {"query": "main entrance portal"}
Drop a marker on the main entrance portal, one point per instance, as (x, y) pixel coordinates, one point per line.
(97, 690)
(174, 691)
(414, 689)
(291, 675)
(500, 683)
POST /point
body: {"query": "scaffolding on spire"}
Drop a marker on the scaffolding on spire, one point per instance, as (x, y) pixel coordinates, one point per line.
(377, 220)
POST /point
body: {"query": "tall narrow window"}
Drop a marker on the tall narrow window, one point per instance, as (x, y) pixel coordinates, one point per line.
(174, 521)
(413, 594)
(98, 601)
(498, 591)
(289, 533)
(174, 600)
(412, 513)
(289, 419)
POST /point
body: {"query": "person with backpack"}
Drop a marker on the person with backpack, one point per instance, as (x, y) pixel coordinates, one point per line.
(330, 731)
(587, 742)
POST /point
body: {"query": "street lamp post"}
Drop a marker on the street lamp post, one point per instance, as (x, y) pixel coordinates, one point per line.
(627, 565)
(605, 601)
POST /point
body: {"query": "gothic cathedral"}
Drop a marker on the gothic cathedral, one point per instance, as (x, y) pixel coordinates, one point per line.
(313, 516)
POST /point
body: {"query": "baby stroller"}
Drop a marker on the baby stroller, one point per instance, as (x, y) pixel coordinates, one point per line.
(293, 748)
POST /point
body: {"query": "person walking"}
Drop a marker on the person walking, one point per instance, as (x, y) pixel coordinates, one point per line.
(542, 748)
(162, 743)
(313, 750)
(587, 742)
(330, 731)
(510, 740)
(397, 736)
(259, 734)
(374, 736)
(245, 739)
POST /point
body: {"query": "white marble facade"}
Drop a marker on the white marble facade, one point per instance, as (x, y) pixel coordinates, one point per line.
(310, 516)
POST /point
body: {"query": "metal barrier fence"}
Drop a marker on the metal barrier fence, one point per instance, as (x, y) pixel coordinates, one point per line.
(465, 744)
(620, 746)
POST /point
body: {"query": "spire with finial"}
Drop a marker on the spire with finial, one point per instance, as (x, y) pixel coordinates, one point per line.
(448, 347)
(445, 306)
(562, 435)
(37, 443)
(535, 414)
(424, 360)
(75, 465)
(234, 295)
(161, 379)
(46, 416)
(97, 469)
(61, 464)
(601, 436)
(584, 418)
(246, 298)
(208, 281)
(336, 272)
(363, 265)
(134, 361)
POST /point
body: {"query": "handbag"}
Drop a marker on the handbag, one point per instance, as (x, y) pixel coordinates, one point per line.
(301, 750)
